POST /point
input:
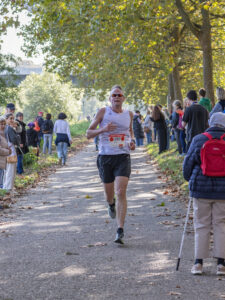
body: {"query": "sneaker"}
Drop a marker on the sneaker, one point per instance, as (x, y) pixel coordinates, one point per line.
(220, 270)
(112, 210)
(119, 236)
(197, 269)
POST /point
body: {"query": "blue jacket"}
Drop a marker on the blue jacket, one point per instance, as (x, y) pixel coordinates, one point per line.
(202, 186)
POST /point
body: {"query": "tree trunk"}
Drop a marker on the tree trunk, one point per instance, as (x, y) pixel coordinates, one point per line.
(170, 97)
(206, 44)
(176, 84)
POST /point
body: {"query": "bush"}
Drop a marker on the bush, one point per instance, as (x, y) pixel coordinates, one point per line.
(79, 128)
(29, 158)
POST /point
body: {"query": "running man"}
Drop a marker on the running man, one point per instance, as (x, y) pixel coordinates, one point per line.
(116, 139)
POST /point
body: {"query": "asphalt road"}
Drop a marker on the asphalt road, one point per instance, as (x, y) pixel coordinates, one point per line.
(57, 241)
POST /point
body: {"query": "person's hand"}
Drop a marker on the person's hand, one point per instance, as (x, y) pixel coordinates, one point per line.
(109, 127)
(21, 145)
(132, 145)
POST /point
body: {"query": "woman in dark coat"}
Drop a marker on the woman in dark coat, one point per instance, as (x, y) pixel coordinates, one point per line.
(161, 128)
(208, 193)
(137, 128)
(23, 149)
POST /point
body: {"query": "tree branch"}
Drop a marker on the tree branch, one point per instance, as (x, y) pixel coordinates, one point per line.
(187, 19)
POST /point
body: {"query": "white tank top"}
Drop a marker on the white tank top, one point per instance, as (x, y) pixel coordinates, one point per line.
(116, 141)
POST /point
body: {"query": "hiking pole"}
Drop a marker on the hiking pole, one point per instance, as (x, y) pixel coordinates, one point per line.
(185, 226)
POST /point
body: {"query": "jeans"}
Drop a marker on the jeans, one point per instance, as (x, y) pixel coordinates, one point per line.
(149, 137)
(182, 140)
(1, 178)
(47, 141)
(139, 142)
(19, 164)
(177, 136)
(62, 151)
(168, 139)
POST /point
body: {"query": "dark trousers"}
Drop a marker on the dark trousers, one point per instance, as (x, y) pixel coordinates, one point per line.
(162, 139)
(177, 136)
(182, 140)
(20, 164)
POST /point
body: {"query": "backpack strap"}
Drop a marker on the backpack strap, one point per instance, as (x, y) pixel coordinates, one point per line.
(208, 135)
(222, 136)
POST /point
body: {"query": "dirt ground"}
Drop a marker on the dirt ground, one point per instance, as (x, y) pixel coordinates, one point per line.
(57, 241)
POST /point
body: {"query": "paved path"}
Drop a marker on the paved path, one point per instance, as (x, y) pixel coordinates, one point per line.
(57, 242)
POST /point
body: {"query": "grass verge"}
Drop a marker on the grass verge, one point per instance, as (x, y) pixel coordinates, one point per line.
(36, 167)
(170, 163)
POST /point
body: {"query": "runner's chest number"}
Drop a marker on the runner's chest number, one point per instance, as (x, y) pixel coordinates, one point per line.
(117, 140)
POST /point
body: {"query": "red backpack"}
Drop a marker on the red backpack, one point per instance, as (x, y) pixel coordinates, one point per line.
(213, 156)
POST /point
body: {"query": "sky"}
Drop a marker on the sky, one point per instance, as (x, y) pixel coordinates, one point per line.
(12, 43)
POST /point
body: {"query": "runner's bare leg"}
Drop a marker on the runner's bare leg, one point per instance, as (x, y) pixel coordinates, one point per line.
(121, 183)
(109, 192)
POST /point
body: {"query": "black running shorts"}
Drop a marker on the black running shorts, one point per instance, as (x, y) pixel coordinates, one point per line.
(111, 166)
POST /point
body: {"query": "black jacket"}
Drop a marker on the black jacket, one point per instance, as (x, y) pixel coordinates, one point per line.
(23, 138)
(202, 186)
(49, 124)
(137, 128)
(32, 137)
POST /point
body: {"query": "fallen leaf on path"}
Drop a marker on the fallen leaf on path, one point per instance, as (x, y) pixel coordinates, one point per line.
(131, 215)
(94, 245)
(88, 197)
(161, 204)
(152, 199)
(137, 172)
(174, 294)
(166, 192)
(71, 253)
(178, 287)
(107, 221)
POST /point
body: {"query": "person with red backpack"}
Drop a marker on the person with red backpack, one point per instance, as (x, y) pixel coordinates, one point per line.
(204, 168)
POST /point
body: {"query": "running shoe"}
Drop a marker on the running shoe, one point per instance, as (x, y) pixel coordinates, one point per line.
(220, 270)
(119, 236)
(197, 269)
(112, 210)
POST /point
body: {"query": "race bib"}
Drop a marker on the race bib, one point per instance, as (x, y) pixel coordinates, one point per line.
(117, 140)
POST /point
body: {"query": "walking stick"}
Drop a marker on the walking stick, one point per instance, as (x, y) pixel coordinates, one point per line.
(182, 240)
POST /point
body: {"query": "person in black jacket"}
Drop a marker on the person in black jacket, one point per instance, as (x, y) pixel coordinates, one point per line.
(47, 129)
(23, 149)
(161, 128)
(137, 128)
(208, 195)
(32, 137)
(40, 121)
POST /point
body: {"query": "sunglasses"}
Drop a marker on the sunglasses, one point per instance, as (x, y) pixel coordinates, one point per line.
(117, 95)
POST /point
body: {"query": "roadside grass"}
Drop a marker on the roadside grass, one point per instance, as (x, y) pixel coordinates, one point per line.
(35, 166)
(170, 163)
(79, 128)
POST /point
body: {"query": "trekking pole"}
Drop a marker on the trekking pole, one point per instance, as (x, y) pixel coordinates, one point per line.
(185, 226)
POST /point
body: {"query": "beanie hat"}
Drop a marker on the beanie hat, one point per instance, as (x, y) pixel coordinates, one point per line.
(217, 120)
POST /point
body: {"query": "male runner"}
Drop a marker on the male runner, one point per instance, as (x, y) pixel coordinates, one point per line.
(115, 142)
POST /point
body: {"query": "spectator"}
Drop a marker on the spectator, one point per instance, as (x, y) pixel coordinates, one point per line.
(148, 126)
(179, 130)
(137, 128)
(195, 116)
(32, 137)
(161, 128)
(47, 130)
(23, 149)
(220, 106)
(4, 150)
(13, 141)
(10, 108)
(208, 194)
(63, 137)
(167, 119)
(39, 119)
(204, 101)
